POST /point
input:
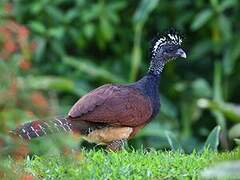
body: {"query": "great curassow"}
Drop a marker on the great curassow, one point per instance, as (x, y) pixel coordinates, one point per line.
(114, 113)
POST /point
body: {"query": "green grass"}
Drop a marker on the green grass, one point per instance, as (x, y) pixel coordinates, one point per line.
(122, 165)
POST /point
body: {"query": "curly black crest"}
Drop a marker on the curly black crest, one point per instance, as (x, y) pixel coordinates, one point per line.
(172, 36)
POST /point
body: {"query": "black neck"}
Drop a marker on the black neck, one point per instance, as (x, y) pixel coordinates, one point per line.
(153, 76)
(156, 65)
(149, 83)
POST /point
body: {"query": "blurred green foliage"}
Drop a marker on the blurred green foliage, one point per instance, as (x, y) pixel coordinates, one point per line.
(81, 44)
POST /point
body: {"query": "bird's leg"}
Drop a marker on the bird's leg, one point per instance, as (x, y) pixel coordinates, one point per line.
(116, 145)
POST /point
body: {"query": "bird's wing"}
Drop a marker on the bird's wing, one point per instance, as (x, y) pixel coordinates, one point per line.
(115, 105)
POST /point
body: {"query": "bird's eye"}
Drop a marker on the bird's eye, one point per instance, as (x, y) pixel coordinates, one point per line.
(170, 49)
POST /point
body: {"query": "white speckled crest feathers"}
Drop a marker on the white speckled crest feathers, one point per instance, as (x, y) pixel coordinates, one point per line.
(171, 37)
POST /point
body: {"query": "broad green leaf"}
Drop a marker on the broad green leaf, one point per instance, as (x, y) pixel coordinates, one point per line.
(229, 110)
(214, 3)
(89, 30)
(50, 83)
(201, 88)
(117, 5)
(37, 27)
(91, 69)
(144, 8)
(41, 47)
(230, 57)
(56, 32)
(212, 141)
(225, 26)
(237, 141)
(227, 4)
(175, 145)
(55, 13)
(71, 15)
(201, 19)
(234, 132)
(106, 29)
(37, 7)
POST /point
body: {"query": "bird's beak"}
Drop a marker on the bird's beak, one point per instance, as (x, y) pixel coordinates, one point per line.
(181, 53)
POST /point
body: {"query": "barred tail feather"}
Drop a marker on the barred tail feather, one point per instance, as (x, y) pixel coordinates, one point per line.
(41, 128)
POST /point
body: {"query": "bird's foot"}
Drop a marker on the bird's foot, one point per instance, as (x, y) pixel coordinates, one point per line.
(116, 145)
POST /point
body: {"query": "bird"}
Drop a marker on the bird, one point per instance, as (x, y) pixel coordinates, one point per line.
(114, 113)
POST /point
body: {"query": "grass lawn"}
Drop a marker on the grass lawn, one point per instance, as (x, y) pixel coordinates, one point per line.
(122, 165)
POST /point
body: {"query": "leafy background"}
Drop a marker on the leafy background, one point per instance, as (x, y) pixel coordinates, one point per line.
(54, 51)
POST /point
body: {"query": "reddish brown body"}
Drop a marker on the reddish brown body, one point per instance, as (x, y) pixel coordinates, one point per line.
(122, 109)
(116, 105)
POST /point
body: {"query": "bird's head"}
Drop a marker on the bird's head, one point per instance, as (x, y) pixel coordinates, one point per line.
(167, 46)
